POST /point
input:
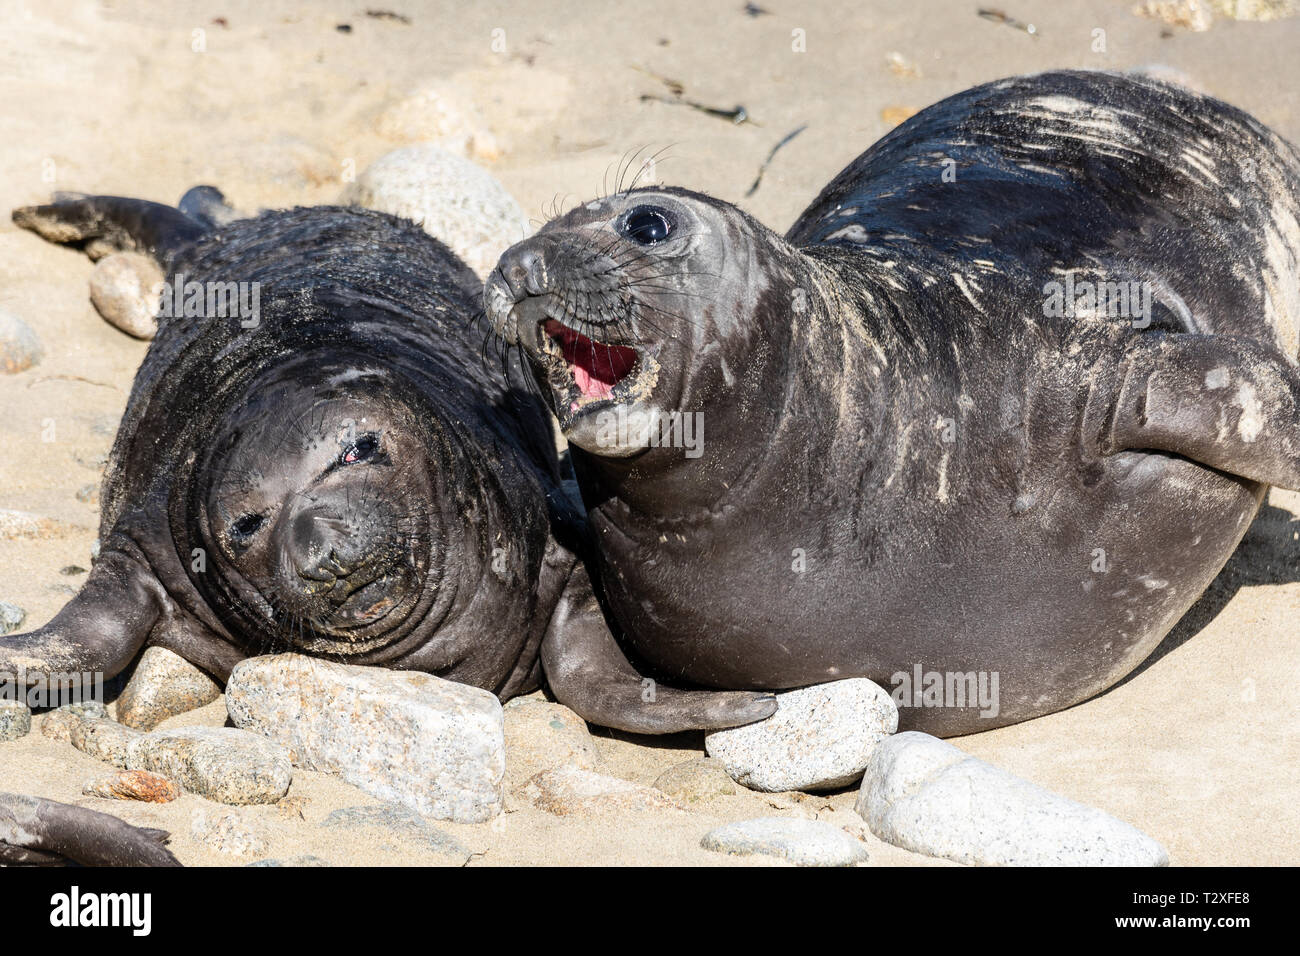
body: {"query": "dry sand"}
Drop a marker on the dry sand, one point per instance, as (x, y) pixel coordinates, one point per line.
(1200, 748)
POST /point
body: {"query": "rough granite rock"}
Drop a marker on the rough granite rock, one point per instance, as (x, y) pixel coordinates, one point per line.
(435, 746)
(11, 617)
(541, 736)
(404, 825)
(20, 348)
(572, 791)
(220, 763)
(164, 684)
(59, 724)
(802, 842)
(702, 778)
(15, 719)
(134, 785)
(455, 201)
(820, 738)
(103, 739)
(226, 831)
(123, 288)
(925, 795)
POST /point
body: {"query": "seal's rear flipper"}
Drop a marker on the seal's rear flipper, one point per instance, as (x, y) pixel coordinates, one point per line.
(97, 633)
(1227, 402)
(588, 672)
(36, 832)
(104, 224)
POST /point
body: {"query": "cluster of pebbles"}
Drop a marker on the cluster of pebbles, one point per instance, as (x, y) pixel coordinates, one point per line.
(431, 749)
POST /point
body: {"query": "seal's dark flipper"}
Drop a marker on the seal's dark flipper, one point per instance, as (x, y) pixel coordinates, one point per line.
(36, 832)
(1227, 402)
(588, 672)
(104, 224)
(97, 633)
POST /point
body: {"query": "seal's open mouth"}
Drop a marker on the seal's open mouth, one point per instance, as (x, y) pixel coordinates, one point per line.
(597, 371)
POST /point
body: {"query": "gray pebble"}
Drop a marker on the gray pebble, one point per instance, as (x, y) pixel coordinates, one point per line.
(15, 719)
(11, 617)
(20, 348)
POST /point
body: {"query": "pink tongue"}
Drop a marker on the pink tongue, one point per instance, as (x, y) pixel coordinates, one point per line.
(590, 386)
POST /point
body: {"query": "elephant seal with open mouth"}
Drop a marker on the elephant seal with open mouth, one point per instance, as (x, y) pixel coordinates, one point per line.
(316, 456)
(982, 425)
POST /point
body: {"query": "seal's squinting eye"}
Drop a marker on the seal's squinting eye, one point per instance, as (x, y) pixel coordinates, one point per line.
(360, 450)
(246, 526)
(647, 225)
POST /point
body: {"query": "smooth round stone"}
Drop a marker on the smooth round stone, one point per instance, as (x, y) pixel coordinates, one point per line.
(123, 288)
(20, 347)
(820, 738)
(454, 200)
(801, 842)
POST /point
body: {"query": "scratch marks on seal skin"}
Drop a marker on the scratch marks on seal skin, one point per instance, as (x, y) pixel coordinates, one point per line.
(965, 290)
(1282, 291)
(1251, 422)
(853, 233)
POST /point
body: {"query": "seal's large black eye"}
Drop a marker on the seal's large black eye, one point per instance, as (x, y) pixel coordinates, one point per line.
(647, 225)
(361, 449)
(246, 526)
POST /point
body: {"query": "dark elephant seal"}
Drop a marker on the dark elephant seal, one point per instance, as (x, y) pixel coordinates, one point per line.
(940, 449)
(316, 456)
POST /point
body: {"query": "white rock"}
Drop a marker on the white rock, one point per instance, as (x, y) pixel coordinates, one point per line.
(429, 744)
(802, 842)
(820, 738)
(925, 795)
(454, 200)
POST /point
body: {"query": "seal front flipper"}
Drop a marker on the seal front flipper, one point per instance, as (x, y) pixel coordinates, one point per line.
(99, 631)
(588, 672)
(1227, 402)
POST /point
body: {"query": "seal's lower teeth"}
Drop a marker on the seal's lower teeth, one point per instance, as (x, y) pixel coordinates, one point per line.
(596, 367)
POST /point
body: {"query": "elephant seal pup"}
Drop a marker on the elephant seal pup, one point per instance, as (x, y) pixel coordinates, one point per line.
(980, 427)
(315, 456)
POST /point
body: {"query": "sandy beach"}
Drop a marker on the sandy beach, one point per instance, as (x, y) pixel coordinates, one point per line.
(278, 105)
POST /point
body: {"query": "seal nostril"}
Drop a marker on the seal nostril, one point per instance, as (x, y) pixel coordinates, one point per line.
(525, 274)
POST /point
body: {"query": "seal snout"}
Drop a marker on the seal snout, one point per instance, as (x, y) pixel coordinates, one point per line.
(336, 570)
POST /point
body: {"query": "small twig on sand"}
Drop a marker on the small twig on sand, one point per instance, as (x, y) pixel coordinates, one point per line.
(763, 168)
